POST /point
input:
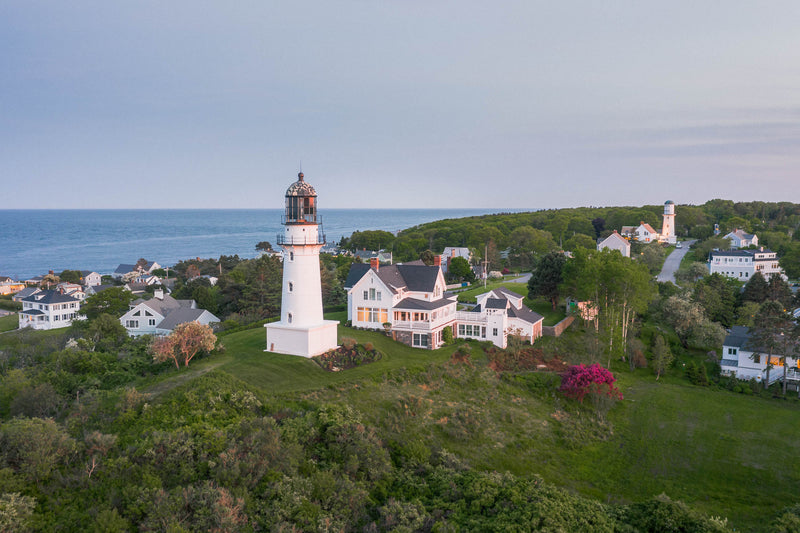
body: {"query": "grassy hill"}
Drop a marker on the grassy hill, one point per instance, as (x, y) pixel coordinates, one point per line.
(724, 454)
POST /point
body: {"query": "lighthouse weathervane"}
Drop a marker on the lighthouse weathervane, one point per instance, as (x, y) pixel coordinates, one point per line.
(302, 330)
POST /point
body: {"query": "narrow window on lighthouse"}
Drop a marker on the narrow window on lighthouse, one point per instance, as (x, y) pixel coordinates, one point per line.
(289, 318)
(291, 256)
(291, 286)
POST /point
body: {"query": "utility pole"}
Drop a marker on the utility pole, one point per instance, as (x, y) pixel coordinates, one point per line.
(485, 265)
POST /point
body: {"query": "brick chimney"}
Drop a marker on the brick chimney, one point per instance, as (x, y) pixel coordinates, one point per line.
(374, 263)
(437, 260)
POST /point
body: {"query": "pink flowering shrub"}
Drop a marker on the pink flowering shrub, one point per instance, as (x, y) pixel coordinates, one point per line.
(580, 380)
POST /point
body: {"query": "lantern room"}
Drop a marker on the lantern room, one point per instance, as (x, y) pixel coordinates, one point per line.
(301, 203)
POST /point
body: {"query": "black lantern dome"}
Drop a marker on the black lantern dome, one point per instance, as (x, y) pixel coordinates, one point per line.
(301, 202)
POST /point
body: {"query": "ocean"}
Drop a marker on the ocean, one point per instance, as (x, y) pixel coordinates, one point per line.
(32, 242)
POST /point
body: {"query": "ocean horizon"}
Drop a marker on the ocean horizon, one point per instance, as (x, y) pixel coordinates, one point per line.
(35, 241)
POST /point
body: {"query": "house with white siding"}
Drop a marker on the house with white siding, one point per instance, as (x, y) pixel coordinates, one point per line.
(615, 241)
(740, 239)
(48, 309)
(743, 360)
(409, 301)
(160, 314)
(742, 264)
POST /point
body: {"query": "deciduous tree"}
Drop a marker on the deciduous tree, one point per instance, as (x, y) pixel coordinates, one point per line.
(662, 357)
(185, 341)
(114, 301)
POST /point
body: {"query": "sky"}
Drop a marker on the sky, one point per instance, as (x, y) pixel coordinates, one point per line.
(418, 104)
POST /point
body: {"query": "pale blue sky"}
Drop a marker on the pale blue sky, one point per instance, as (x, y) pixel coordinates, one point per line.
(521, 104)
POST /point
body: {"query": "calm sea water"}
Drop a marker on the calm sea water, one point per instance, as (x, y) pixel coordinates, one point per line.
(35, 241)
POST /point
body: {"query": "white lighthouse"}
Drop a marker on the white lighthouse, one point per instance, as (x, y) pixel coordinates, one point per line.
(668, 226)
(301, 330)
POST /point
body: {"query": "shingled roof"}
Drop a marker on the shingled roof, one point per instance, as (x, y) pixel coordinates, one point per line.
(419, 278)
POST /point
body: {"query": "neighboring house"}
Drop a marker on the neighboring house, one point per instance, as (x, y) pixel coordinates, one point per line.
(627, 231)
(742, 264)
(410, 300)
(744, 361)
(740, 239)
(160, 315)
(11, 287)
(367, 255)
(24, 293)
(71, 289)
(91, 290)
(615, 241)
(498, 314)
(451, 252)
(90, 279)
(644, 232)
(48, 309)
(128, 271)
(5, 279)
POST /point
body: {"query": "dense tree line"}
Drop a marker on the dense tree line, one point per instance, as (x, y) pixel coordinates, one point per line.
(537, 233)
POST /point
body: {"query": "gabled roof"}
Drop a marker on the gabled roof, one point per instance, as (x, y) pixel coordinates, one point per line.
(180, 316)
(507, 292)
(525, 314)
(124, 269)
(419, 278)
(163, 305)
(50, 297)
(615, 237)
(647, 227)
(28, 291)
(495, 303)
(357, 271)
(738, 337)
(414, 304)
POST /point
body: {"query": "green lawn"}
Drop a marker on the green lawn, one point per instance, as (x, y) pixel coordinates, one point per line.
(9, 322)
(707, 448)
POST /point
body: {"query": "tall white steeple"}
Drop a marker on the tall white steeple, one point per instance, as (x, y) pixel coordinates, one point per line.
(301, 330)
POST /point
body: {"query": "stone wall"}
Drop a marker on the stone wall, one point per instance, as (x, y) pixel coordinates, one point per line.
(558, 329)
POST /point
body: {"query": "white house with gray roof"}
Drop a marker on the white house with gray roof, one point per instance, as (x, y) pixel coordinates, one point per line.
(740, 239)
(48, 309)
(160, 314)
(615, 241)
(742, 264)
(743, 360)
(411, 300)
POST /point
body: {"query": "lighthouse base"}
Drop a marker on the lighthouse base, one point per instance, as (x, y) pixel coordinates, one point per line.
(305, 341)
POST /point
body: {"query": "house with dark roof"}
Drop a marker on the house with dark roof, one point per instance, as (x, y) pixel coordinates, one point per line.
(742, 264)
(48, 309)
(160, 314)
(742, 359)
(128, 271)
(410, 300)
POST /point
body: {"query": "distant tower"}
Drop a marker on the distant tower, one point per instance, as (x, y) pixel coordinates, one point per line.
(302, 330)
(668, 227)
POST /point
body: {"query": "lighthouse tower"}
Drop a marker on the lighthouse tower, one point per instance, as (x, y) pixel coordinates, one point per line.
(668, 227)
(301, 330)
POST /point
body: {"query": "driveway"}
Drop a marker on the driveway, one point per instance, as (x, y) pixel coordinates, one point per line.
(673, 261)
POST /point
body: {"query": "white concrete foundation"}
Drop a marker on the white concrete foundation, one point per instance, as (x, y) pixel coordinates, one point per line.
(305, 341)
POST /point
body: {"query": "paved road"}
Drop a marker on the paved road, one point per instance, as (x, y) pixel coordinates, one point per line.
(673, 261)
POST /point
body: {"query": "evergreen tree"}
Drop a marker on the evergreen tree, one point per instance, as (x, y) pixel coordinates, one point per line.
(547, 277)
(756, 290)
